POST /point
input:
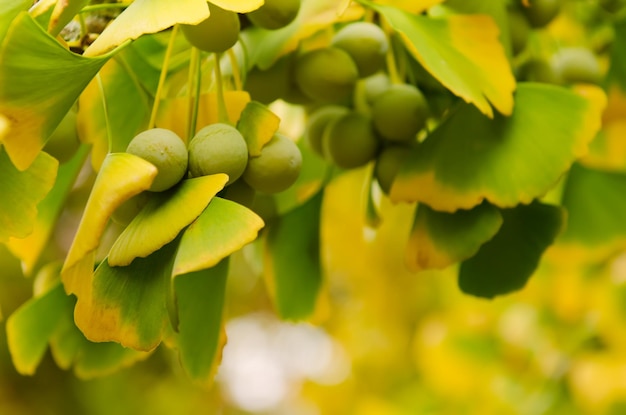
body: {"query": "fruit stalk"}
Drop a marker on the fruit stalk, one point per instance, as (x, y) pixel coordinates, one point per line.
(166, 62)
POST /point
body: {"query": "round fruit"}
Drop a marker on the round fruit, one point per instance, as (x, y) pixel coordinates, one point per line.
(218, 148)
(166, 151)
(350, 140)
(275, 14)
(64, 142)
(277, 168)
(612, 6)
(240, 192)
(375, 85)
(541, 12)
(276, 82)
(326, 75)
(367, 45)
(318, 121)
(400, 112)
(388, 164)
(537, 70)
(217, 33)
(519, 30)
(576, 65)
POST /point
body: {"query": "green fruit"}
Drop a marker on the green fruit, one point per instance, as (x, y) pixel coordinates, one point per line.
(166, 151)
(576, 65)
(240, 192)
(275, 82)
(537, 70)
(400, 112)
(367, 45)
(519, 30)
(326, 75)
(277, 168)
(388, 164)
(64, 142)
(350, 140)
(612, 6)
(375, 85)
(541, 12)
(318, 121)
(218, 148)
(275, 14)
(217, 33)
(127, 211)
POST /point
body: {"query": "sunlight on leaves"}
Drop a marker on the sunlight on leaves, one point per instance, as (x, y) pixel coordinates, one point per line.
(505, 263)
(293, 270)
(223, 228)
(201, 337)
(440, 239)
(463, 52)
(23, 190)
(163, 217)
(147, 16)
(257, 124)
(470, 158)
(128, 304)
(39, 82)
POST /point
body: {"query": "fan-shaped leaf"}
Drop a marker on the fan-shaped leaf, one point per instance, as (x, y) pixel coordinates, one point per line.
(239, 6)
(258, 125)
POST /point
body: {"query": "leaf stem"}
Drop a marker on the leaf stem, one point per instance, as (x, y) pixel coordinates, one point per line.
(193, 92)
(159, 91)
(106, 112)
(392, 67)
(222, 113)
(236, 71)
(103, 6)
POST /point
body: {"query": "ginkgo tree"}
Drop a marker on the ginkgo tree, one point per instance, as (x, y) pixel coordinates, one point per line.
(505, 144)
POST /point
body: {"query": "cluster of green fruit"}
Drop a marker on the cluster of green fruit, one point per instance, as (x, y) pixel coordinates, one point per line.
(218, 148)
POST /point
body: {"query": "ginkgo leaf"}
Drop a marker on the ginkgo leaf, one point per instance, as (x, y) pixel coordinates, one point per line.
(63, 13)
(127, 305)
(29, 249)
(239, 6)
(22, 191)
(163, 217)
(31, 326)
(463, 52)
(114, 104)
(223, 228)
(122, 176)
(440, 239)
(39, 82)
(411, 6)
(257, 124)
(8, 11)
(507, 160)
(147, 16)
(201, 336)
(505, 263)
(293, 270)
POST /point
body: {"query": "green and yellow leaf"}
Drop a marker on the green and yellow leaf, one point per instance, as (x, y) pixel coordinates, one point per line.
(257, 124)
(239, 6)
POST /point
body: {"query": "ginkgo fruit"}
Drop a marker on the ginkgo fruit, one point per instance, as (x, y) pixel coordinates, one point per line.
(275, 14)
(541, 12)
(400, 112)
(519, 30)
(166, 151)
(576, 65)
(350, 140)
(366, 43)
(218, 148)
(217, 33)
(326, 74)
(277, 168)
(317, 123)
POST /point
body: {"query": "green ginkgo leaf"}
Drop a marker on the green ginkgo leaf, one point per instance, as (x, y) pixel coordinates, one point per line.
(201, 337)
(257, 124)
(63, 13)
(39, 82)
(506, 262)
(239, 6)
(128, 305)
(462, 51)
(223, 228)
(440, 239)
(163, 217)
(22, 191)
(147, 16)
(292, 260)
(121, 177)
(8, 11)
(507, 160)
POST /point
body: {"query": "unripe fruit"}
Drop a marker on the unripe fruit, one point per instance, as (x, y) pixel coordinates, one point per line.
(350, 140)
(541, 12)
(275, 14)
(519, 30)
(277, 168)
(218, 33)
(276, 82)
(64, 142)
(388, 164)
(400, 112)
(218, 148)
(576, 65)
(318, 121)
(240, 192)
(166, 151)
(537, 70)
(367, 45)
(375, 85)
(326, 75)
